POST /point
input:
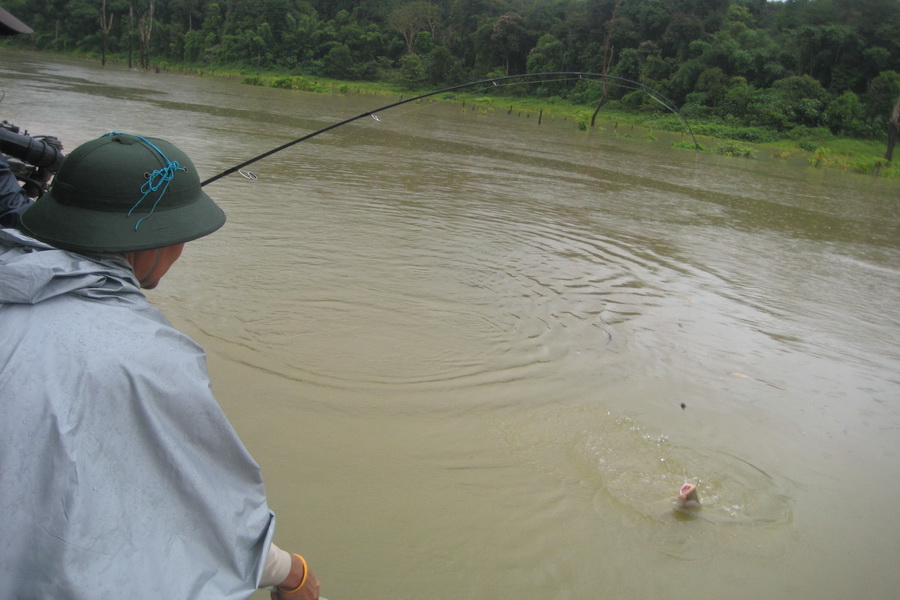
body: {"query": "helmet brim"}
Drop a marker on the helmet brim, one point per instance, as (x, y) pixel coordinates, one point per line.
(70, 227)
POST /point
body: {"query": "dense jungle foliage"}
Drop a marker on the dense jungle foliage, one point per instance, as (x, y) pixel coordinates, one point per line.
(774, 69)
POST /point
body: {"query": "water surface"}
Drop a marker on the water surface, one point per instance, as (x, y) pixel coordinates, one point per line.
(476, 357)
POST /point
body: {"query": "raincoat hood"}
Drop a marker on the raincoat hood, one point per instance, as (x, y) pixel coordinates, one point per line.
(32, 271)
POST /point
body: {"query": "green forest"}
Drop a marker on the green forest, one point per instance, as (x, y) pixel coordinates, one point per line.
(801, 68)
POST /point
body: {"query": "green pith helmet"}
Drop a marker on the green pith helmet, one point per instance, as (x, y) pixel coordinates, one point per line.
(123, 193)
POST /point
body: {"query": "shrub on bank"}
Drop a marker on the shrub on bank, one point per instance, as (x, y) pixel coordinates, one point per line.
(289, 83)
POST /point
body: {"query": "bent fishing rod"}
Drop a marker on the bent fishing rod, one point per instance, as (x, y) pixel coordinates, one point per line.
(496, 82)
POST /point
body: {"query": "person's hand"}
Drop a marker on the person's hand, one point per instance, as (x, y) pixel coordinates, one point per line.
(300, 574)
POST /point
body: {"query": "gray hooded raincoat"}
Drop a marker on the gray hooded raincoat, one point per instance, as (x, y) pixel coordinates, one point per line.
(120, 477)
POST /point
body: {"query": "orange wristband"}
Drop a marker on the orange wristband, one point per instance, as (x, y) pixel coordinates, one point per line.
(302, 580)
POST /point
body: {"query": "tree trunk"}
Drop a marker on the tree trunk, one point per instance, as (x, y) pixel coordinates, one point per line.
(145, 29)
(606, 57)
(130, 33)
(105, 26)
(893, 130)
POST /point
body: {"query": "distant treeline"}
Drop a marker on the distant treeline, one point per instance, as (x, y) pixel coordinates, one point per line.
(796, 66)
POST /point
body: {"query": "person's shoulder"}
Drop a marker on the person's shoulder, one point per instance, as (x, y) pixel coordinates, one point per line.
(145, 331)
(112, 336)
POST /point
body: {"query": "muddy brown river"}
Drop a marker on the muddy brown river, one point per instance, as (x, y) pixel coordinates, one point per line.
(476, 357)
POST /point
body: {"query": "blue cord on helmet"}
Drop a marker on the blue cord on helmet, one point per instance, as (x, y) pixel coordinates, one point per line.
(157, 179)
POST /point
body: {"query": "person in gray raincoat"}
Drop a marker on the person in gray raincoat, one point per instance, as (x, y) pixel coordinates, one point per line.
(119, 474)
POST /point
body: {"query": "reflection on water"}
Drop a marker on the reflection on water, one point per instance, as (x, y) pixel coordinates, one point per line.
(477, 358)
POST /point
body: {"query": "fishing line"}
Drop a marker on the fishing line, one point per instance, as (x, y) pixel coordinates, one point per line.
(525, 79)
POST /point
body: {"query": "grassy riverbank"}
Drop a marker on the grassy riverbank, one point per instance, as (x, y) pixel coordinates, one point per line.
(816, 147)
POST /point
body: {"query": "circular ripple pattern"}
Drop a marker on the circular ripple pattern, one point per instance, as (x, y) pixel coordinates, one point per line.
(643, 470)
(371, 275)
